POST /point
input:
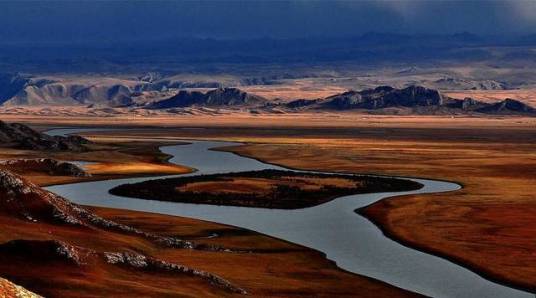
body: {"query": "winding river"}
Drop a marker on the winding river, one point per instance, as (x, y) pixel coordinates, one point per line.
(347, 238)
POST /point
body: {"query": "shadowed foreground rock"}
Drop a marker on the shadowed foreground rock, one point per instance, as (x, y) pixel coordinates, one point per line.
(23, 137)
(11, 290)
(59, 252)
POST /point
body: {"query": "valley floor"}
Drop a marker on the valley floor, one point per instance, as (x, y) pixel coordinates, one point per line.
(266, 267)
(487, 226)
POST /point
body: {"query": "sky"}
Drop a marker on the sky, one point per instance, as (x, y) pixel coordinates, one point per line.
(68, 21)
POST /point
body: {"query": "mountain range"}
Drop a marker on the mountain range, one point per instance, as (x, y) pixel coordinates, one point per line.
(156, 92)
(213, 98)
(418, 99)
(369, 48)
(383, 99)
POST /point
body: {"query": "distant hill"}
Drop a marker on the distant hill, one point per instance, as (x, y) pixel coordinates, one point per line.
(383, 97)
(507, 106)
(214, 98)
(367, 49)
(28, 90)
(155, 91)
(413, 99)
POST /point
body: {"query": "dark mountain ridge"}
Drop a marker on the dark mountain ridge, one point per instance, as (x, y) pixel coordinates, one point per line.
(23, 137)
(507, 106)
(213, 98)
(419, 100)
(383, 97)
(412, 99)
(369, 48)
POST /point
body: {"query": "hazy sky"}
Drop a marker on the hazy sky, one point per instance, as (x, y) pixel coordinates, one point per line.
(137, 20)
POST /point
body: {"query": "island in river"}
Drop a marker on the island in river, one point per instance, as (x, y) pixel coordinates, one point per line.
(76, 251)
(266, 188)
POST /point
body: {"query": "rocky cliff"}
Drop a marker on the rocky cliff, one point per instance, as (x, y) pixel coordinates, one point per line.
(11, 290)
(21, 136)
(33, 207)
(413, 99)
(221, 97)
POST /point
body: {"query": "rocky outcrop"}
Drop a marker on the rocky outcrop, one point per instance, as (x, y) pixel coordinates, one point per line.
(507, 106)
(301, 103)
(45, 165)
(22, 199)
(42, 252)
(17, 89)
(220, 97)
(11, 290)
(466, 104)
(10, 85)
(414, 99)
(232, 97)
(383, 97)
(23, 137)
(28, 90)
(182, 99)
(139, 261)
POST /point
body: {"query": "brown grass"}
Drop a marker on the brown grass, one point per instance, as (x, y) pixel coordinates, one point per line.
(242, 185)
(273, 268)
(264, 186)
(195, 124)
(304, 88)
(488, 225)
(124, 158)
(135, 168)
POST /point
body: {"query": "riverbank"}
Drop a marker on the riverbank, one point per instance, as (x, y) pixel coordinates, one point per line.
(269, 267)
(332, 228)
(482, 154)
(489, 222)
(103, 160)
(486, 226)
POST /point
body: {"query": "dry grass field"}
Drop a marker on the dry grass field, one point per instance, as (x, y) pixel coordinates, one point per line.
(135, 169)
(488, 225)
(272, 268)
(238, 122)
(127, 158)
(295, 89)
(263, 186)
(268, 267)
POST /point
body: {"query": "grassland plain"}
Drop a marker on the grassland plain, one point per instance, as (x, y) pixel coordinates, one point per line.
(274, 268)
(486, 226)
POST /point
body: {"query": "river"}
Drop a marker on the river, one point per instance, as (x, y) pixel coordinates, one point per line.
(334, 228)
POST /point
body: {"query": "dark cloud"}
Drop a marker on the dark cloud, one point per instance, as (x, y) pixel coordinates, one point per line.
(136, 20)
